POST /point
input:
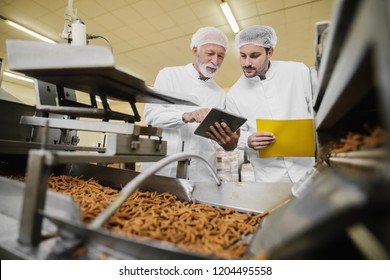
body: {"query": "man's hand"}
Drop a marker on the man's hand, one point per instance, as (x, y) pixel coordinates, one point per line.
(260, 140)
(224, 136)
(195, 116)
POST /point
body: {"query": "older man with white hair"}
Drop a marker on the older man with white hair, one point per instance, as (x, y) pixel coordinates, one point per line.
(275, 90)
(208, 46)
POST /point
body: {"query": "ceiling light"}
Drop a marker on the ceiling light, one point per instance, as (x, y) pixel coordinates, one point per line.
(98, 99)
(18, 77)
(28, 31)
(229, 16)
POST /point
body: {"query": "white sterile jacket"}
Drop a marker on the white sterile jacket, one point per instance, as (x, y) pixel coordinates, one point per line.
(284, 94)
(179, 135)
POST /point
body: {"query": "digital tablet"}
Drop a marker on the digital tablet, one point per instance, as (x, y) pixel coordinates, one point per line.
(218, 115)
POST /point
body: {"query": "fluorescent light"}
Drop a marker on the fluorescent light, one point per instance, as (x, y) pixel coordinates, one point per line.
(98, 99)
(229, 16)
(28, 31)
(18, 77)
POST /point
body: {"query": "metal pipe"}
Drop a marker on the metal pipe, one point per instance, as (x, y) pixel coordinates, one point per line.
(133, 184)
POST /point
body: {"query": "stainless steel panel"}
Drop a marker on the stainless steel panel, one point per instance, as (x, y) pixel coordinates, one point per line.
(302, 225)
(133, 145)
(11, 196)
(344, 12)
(362, 66)
(98, 126)
(22, 148)
(89, 69)
(248, 196)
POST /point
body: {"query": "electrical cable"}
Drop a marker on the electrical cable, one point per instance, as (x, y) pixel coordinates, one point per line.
(93, 36)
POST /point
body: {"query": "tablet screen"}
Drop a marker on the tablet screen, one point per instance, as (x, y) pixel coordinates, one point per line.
(218, 115)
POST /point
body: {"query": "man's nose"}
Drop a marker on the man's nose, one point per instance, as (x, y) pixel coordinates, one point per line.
(247, 62)
(214, 59)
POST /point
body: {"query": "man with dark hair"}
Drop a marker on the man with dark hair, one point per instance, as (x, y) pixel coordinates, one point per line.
(269, 90)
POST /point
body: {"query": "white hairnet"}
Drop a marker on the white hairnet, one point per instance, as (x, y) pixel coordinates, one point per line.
(259, 35)
(209, 35)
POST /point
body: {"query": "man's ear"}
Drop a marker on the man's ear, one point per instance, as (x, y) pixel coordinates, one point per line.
(271, 52)
(194, 50)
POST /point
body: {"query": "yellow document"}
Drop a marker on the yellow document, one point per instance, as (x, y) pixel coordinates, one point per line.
(294, 138)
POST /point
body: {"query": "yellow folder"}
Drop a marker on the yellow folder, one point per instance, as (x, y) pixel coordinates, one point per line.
(294, 138)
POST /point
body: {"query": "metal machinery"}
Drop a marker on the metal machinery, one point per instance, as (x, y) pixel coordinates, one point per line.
(342, 208)
(339, 210)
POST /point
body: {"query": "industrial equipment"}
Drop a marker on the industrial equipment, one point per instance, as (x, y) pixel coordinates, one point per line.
(340, 210)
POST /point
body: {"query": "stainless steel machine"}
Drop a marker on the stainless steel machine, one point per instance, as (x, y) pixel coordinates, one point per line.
(340, 210)
(48, 145)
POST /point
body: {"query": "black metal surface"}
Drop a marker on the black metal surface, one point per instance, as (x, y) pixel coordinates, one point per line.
(10, 127)
(108, 81)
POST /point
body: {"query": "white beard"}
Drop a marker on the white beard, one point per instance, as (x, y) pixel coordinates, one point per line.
(204, 71)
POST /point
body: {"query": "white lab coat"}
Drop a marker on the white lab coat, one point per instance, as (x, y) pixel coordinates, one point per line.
(284, 94)
(184, 80)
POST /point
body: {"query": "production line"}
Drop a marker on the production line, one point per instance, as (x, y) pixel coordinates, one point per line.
(339, 210)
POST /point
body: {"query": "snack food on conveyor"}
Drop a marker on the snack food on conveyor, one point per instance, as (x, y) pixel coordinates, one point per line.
(357, 141)
(200, 228)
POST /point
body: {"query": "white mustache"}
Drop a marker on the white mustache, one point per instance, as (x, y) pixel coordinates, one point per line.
(212, 66)
(206, 68)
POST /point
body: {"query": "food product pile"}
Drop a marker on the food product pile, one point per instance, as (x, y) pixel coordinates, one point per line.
(200, 228)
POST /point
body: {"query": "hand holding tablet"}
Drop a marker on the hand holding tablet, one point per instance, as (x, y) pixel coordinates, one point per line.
(217, 115)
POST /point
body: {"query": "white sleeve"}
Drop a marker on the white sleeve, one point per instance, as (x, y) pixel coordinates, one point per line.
(244, 134)
(163, 116)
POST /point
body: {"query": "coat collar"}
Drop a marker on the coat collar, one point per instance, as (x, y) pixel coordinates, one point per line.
(268, 75)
